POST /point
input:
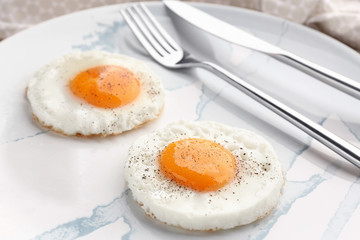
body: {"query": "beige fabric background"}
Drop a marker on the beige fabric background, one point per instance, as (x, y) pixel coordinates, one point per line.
(337, 18)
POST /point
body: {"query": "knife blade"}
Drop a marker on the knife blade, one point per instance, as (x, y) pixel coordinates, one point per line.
(230, 33)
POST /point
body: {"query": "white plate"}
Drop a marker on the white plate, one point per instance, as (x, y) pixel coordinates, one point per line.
(53, 187)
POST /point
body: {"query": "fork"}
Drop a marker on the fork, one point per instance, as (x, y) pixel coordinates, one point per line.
(168, 53)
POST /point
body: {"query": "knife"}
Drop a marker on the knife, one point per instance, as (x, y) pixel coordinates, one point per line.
(235, 35)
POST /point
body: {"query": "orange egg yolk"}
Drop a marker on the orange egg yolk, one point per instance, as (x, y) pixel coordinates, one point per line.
(199, 164)
(106, 86)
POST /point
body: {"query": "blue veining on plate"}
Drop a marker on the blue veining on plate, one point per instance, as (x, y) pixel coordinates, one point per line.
(101, 216)
(207, 96)
(25, 137)
(127, 235)
(296, 155)
(356, 134)
(348, 205)
(288, 199)
(248, 74)
(118, 208)
(179, 86)
(301, 151)
(283, 32)
(110, 213)
(88, 36)
(300, 189)
(103, 39)
(344, 212)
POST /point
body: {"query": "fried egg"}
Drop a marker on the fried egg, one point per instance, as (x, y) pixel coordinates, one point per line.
(95, 93)
(204, 175)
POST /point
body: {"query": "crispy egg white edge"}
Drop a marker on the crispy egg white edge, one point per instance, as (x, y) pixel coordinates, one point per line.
(249, 197)
(55, 106)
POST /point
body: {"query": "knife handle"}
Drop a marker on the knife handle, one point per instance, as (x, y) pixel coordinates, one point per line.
(332, 141)
(334, 79)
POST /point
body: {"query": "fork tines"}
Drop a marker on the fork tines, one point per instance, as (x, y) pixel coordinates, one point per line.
(149, 32)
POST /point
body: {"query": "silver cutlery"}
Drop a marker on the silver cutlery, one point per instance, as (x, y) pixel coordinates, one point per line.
(168, 53)
(235, 35)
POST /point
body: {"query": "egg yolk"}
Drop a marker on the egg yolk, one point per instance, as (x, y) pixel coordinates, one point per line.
(199, 164)
(106, 86)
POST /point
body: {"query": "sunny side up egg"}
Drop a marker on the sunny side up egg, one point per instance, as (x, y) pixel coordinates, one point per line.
(95, 93)
(204, 175)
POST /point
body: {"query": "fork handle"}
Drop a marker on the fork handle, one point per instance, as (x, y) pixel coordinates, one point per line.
(334, 79)
(335, 143)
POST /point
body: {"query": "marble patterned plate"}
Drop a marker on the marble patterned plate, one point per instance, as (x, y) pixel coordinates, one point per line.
(54, 187)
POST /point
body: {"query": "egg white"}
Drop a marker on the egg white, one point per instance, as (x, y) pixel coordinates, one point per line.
(254, 192)
(56, 107)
